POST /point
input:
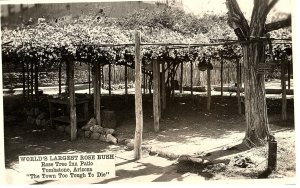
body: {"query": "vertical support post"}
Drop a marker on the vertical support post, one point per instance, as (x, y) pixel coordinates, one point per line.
(97, 92)
(23, 80)
(159, 88)
(28, 79)
(228, 75)
(272, 155)
(181, 77)
(126, 84)
(289, 75)
(36, 80)
(109, 80)
(156, 94)
(102, 73)
(222, 67)
(138, 99)
(67, 76)
(173, 80)
(163, 86)
(72, 102)
(283, 85)
(94, 81)
(191, 77)
(59, 78)
(100, 78)
(238, 90)
(241, 83)
(149, 85)
(208, 90)
(114, 82)
(144, 82)
(89, 77)
(31, 82)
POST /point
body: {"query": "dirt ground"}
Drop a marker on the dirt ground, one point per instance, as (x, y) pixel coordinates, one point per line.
(186, 128)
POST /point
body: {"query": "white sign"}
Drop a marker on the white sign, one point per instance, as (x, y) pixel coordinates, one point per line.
(68, 166)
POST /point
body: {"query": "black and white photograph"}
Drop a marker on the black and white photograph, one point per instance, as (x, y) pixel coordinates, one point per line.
(103, 92)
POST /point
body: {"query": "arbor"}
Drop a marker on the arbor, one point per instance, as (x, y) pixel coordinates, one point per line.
(257, 130)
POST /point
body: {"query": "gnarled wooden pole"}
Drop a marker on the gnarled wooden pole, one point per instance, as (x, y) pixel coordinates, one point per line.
(138, 99)
(238, 89)
(208, 90)
(156, 94)
(72, 101)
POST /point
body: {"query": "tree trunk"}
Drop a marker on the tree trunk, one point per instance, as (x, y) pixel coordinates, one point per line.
(257, 130)
(255, 101)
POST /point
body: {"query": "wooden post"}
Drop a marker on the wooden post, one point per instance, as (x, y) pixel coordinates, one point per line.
(100, 79)
(173, 81)
(126, 84)
(72, 102)
(24, 81)
(159, 88)
(114, 82)
(181, 77)
(238, 90)
(144, 82)
(163, 87)
(241, 83)
(289, 75)
(191, 78)
(208, 90)
(272, 155)
(156, 94)
(149, 85)
(283, 84)
(36, 80)
(89, 77)
(94, 81)
(222, 65)
(228, 74)
(59, 78)
(97, 92)
(28, 79)
(31, 81)
(109, 80)
(138, 99)
(67, 76)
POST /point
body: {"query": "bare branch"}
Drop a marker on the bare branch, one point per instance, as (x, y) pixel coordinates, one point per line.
(271, 5)
(279, 24)
(236, 16)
